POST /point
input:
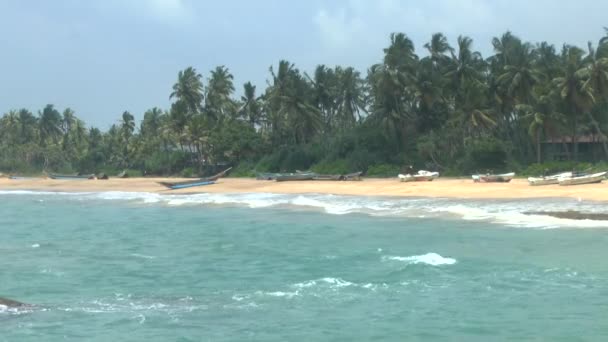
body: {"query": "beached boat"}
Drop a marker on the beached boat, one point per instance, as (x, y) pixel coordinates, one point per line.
(421, 176)
(584, 179)
(548, 180)
(355, 176)
(23, 178)
(71, 177)
(284, 177)
(196, 182)
(175, 186)
(500, 178)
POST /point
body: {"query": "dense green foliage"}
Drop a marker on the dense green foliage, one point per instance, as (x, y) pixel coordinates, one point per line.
(450, 110)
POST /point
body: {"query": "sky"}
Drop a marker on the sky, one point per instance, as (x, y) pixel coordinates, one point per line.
(102, 57)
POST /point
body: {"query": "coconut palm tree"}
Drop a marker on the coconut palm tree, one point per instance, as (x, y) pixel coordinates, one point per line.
(251, 109)
(400, 55)
(127, 127)
(189, 90)
(519, 75)
(27, 123)
(438, 49)
(218, 101)
(570, 85)
(466, 66)
(49, 123)
(351, 99)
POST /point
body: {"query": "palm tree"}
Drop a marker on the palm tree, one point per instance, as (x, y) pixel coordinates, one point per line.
(400, 55)
(577, 98)
(595, 73)
(218, 102)
(27, 126)
(520, 74)
(50, 125)
(252, 108)
(151, 123)
(189, 90)
(388, 107)
(350, 98)
(127, 127)
(289, 105)
(542, 116)
(438, 48)
(466, 66)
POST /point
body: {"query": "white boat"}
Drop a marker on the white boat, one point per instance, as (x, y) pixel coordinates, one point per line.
(501, 178)
(547, 180)
(421, 176)
(586, 179)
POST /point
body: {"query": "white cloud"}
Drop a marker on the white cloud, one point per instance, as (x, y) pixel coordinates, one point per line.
(365, 24)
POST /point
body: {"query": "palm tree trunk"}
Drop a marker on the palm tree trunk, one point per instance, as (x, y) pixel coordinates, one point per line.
(538, 152)
(601, 136)
(575, 138)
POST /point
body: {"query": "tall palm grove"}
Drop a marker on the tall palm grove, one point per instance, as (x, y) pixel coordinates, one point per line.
(450, 109)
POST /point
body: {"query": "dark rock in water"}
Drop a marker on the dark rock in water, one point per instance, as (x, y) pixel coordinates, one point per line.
(571, 214)
(11, 303)
(102, 176)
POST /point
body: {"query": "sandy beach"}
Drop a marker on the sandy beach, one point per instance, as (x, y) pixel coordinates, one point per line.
(442, 187)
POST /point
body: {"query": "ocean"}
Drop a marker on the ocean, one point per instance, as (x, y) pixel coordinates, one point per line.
(122, 266)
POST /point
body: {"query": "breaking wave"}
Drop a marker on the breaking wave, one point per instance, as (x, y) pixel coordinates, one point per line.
(432, 259)
(505, 212)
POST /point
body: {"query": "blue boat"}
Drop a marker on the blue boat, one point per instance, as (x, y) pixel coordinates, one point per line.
(196, 182)
(183, 185)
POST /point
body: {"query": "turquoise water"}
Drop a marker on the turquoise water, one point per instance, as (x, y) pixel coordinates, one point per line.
(141, 267)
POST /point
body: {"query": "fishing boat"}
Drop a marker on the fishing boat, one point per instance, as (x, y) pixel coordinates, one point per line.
(584, 179)
(183, 185)
(71, 177)
(295, 176)
(196, 182)
(355, 176)
(548, 180)
(488, 178)
(23, 178)
(421, 176)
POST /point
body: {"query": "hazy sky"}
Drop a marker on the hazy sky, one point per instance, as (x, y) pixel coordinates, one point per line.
(101, 57)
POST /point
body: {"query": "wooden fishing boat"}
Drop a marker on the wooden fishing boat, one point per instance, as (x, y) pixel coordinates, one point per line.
(421, 176)
(71, 177)
(183, 185)
(196, 182)
(266, 176)
(284, 177)
(548, 180)
(584, 179)
(355, 176)
(500, 178)
(23, 178)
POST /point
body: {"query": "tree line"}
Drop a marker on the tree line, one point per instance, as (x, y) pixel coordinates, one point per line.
(451, 110)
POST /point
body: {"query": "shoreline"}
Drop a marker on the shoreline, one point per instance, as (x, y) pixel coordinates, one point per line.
(456, 188)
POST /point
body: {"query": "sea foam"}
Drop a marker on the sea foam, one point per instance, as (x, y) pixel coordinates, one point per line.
(504, 212)
(432, 259)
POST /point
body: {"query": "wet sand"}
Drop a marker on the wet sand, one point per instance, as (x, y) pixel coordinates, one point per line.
(442, 187)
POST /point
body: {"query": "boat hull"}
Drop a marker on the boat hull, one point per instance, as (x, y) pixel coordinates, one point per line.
(421, 176)
(501, 178)
(70, 177)
(549, 180)
(588, 179)
(176, 186)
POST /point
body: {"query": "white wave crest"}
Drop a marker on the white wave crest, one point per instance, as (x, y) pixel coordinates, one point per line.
(504, 212)
(432, 259)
